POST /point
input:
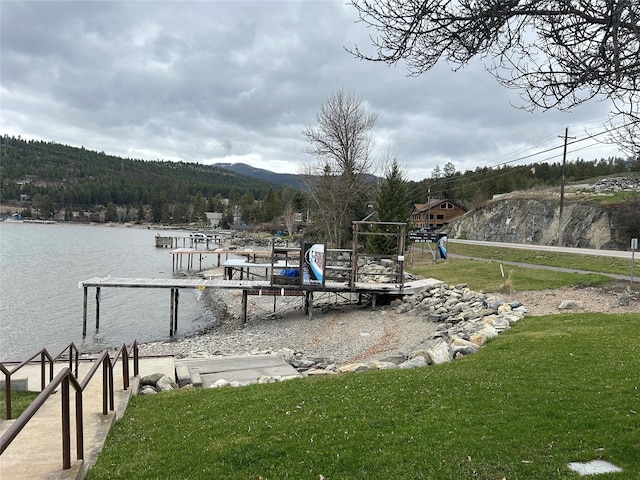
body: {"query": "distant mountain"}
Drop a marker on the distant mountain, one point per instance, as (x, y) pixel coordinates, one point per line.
(282, 179)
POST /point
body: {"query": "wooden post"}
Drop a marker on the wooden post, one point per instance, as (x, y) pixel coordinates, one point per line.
(245, 295)
(175, 312)
(173, 292)
(401, 248)
(84, 313)
(354, 258)
(97, 308)
(308, 303)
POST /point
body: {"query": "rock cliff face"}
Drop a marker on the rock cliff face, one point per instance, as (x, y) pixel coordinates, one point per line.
(586, 224)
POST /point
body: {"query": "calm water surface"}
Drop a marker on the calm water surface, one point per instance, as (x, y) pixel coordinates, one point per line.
(41, 302)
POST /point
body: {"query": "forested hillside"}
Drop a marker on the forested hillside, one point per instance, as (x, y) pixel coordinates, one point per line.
(474, 187)
(76, 176)
(88, 185)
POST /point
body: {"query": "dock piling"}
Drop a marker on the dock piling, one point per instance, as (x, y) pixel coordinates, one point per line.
(84, 313)
(97, 308)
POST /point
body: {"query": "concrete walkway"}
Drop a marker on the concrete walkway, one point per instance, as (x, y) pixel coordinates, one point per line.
(36, 453)
(243, 370)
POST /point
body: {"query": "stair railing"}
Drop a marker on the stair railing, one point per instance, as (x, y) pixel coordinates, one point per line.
(44, 357)
(66, 379)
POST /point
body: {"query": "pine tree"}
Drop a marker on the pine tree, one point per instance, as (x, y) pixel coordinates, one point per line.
(392, 205)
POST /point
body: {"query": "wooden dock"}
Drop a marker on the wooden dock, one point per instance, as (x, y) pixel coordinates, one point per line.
(184, 258)
(247, 287)
(288, 271)
(194, 240)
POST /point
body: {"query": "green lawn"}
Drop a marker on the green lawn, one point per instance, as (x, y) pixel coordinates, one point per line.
(487, 276)
(19, 403)
(550, 391)
(482, 272)
(589, 263)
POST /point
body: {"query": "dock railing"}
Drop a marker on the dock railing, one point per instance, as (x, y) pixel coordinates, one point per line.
(66, 379)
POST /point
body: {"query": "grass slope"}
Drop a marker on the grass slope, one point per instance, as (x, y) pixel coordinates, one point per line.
(576, 261)
(19, 402)
(550, 391)
(487, 276)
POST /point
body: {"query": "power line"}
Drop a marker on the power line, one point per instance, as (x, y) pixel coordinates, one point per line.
(591, 136)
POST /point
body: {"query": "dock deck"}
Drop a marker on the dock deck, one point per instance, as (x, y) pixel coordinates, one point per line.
(178, 255)
(247, 287)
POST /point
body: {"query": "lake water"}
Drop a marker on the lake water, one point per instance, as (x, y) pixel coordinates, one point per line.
(41, 302)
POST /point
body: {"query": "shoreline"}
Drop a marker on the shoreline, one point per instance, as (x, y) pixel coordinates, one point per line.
(339, 332)
(345, 333)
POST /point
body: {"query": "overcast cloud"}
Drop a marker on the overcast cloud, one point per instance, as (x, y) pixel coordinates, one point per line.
(235, 81)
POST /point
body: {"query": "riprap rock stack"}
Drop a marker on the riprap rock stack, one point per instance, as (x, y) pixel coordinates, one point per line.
(467, 319)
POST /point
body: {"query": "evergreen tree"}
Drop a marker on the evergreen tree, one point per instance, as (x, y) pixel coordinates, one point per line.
(199, 208)
(140, 216)
(271, 207)
(227, 218)
(111, 214)
(180, 213)
(392, 205)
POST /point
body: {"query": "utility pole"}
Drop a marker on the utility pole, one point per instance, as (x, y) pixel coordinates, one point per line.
(429, 208)
(564, 163)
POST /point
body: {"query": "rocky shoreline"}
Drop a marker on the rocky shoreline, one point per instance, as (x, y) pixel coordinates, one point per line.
(439, 324)
(465, 321)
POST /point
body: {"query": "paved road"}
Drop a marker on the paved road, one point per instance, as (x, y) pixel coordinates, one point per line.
(524, 246)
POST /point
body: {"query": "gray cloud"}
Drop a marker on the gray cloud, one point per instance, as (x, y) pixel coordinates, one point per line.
(238, 81)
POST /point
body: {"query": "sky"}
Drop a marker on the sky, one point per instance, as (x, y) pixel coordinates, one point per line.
(238, 82)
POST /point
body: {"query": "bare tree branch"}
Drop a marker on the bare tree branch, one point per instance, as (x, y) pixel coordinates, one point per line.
(558, 54)
(342, 143)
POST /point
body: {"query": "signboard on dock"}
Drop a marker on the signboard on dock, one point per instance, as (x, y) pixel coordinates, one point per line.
(313, 264)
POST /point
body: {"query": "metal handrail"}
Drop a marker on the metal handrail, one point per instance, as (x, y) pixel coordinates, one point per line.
(125, 364)
(107, 380)
(44, 355)
(64, 379)
(135, 353)
(72, 350)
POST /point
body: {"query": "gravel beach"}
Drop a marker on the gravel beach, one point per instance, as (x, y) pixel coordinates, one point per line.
(347, 332)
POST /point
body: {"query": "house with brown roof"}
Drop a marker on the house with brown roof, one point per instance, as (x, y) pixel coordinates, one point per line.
(435, 214)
